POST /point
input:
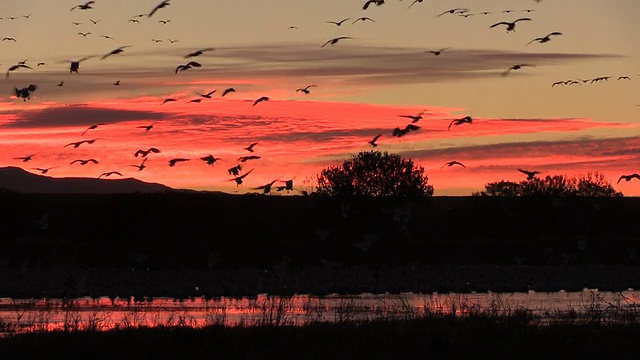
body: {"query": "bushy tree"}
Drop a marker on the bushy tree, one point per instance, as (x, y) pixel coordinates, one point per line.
(375, 174)
(589, 185)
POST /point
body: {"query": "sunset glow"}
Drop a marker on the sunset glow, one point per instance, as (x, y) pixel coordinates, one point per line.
(363, 85)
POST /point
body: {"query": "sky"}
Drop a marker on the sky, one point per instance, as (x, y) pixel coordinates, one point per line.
(363, 83)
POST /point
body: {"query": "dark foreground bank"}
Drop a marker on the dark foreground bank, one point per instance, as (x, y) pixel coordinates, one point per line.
(510, 337)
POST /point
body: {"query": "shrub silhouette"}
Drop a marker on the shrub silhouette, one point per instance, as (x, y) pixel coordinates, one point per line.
(589, 185)
(375, 174)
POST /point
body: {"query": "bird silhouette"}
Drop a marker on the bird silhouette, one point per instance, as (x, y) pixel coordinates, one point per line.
(250, 147)
(187, 66)
(195, 100)
(363, 19)
(141, 166)
(235, 170)
(41, 64)
(259, 100)
(44, 170)
(156, 40)
(239, 179)
(84, 34)
(25, 93)
(464, 120)
(515, 67)
(373, 141)
(628, 177)
(306, 90)
(107, 174)
(168, 100)
(16, 67)
(115, 51)
(247, 158)
(75, 64)
(544, 39)
(624, 78)
(198, 52)
(375, 2)
(94, 21)
(174, 161)
(84, 162)
(210, 159)
(407, 129)
(335, 40)
(172, 41)
(229, 90)
(134, 21)
(146, 128)
(117, 83)
(414, 2)
(266, 188)
(437, 52)
(107, 37)
(163, 4)
(453, 11)
(288, 185)
(530, 174)
(338, 23)
(61, 83)
(78, 143)
(207, 95)
(164, 22)
(25, 158)
(144, 153)
(510, 26)
(414, 118)
(85, 6)
(94, 126)
(9, 39)
(452, 163)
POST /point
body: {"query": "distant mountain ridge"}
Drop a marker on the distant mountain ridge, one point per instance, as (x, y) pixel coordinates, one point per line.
(19, 180)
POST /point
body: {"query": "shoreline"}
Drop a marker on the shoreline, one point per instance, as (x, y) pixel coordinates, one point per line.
(75, 282)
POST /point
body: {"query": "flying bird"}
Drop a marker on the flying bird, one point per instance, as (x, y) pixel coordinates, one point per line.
(25, 93)
(94, 21)
(163, 4)
(84, 162)
(452, 163)
(338, 23)
(85, 6)
(198, 53)
(44, 170)
(144, 153)
(195, 100)
(335, 40)
(210, 159)
(94, 126)
(187, 66)
(413, 3)
(544, 39)
(250, 147)
(239, 179)
(41, 64)
(117, 83)
(515, 67)
(288, 185)
(247, 158)
(25, 158)
(369, 2)
(174, 161)
(61, 83)
(78, 143)
(172, 41)
(437, 52)
(510, 26)
(107, 174)
(16, 67)
(453, 11)
(229, 90)
(147, 128)
(266, 188)
(628, 177)
(306, 90)
(75, 64)
(264, 98)
(363, 19)
(530, 174)
(624, 78)
(168, 100)
(135, 21)
(464, 120)
(9, 39)
(141, 166)
(414, 118)
(107, 37)
(373, 141)
(115, 51)
(84, 34)
(164, 22)
(207, 95)
(407, 129)
(235, 170)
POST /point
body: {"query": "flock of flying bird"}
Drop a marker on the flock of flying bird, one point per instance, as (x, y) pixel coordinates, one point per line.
(235, 171)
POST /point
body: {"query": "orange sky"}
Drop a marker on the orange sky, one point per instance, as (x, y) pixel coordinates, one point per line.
(363, 84)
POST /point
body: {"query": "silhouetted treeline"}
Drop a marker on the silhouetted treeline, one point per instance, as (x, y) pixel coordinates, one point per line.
(200, 230)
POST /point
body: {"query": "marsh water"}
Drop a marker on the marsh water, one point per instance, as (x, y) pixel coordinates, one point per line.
(104, 313)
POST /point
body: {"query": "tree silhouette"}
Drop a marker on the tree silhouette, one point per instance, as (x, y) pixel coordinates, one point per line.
(589, 185)
(375, 174)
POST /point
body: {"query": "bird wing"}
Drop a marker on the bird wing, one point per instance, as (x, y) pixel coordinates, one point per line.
(522, 19)
(500, 23)
(327, 43)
